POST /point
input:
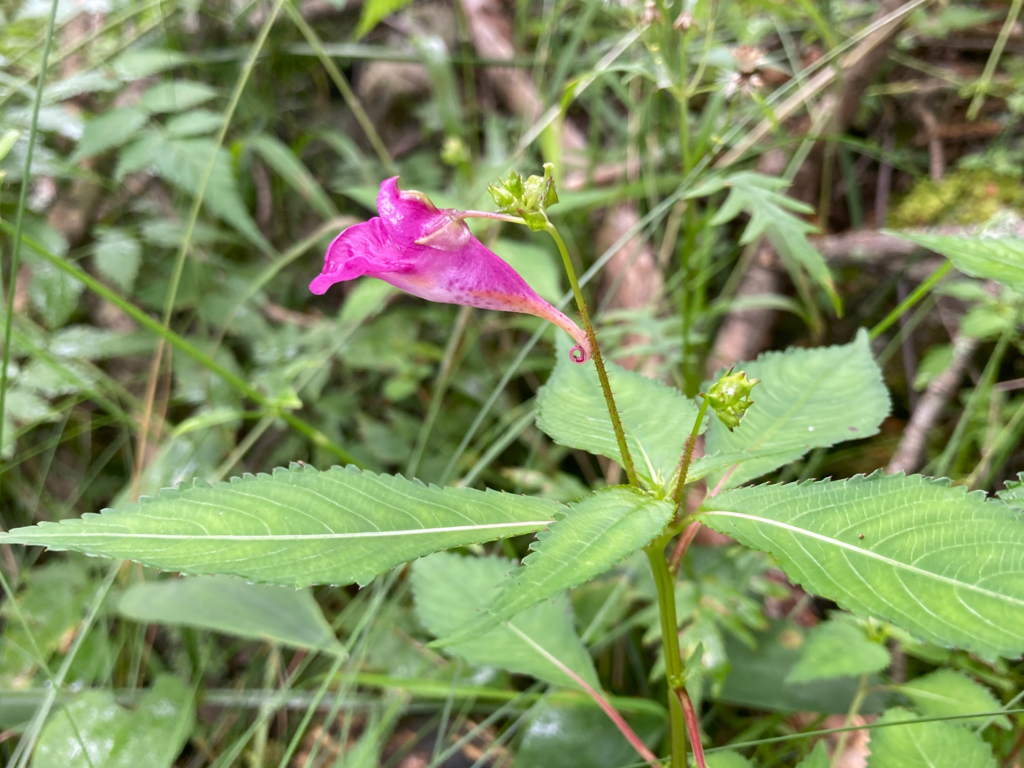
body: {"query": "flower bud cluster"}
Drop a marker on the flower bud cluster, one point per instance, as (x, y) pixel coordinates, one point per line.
(729, 397)
(527, 198)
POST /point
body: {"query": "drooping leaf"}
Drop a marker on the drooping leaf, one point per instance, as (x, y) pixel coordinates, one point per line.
(109, 130)
(932, 558)
(282, 159)
(592, 536)
(578, 735)
(990, 258)
(925, 745)
(296, 527)
(113, 737)
(772, 214)
(450, 590)
(948, 692)
(118, 256)
(183, 162)
(807, 398)
(656, 419)
(176, 96)
(233, 607)
(838, 648)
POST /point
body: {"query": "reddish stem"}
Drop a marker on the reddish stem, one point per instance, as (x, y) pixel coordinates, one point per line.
(682, 545)
(692, 727)
(721, 482)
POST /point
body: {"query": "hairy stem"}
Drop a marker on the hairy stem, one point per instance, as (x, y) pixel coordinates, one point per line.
(674, 671)
(602, 374)
(692, 727)
(687, 459)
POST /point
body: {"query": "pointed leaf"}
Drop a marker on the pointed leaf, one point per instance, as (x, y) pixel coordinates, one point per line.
(837, 648)
(296, 527)
(728, 759)
(925, 745)
(586, 541)
(176, 96)
(927, 556)
(109, 130)
(597, 533)
(947, 692)
(990, 258)
(657, 419)
(232, 607)
(807, 398)
(449, 590)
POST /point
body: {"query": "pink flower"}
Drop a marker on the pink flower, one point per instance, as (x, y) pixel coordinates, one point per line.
(431, 253)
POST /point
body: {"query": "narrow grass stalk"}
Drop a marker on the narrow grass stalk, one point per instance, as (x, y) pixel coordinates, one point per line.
(440, 387)
(186, 239)
(915, 296)
(993, 60)
(312, 433)
(19, 217)
(346, 90)
(602, 374)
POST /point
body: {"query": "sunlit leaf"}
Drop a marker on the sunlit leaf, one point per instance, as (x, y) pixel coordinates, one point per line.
(450, 590)
(295, 527)
(807, 398)
(932, 558)
(990, 258)
(591, 537)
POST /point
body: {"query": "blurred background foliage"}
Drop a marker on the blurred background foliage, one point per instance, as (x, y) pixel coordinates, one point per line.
(728, 174)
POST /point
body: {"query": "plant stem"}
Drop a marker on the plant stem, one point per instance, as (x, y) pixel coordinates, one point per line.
(674, 671)
(602, 374)
(916, 295)
(692, 727)
(858, 699)
(687, 459)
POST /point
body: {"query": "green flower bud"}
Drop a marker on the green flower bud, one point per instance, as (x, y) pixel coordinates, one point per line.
(527, 198)
(729, 397)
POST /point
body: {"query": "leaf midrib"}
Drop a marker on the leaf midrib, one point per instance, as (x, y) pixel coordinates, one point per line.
(870, 554)
(273, 537)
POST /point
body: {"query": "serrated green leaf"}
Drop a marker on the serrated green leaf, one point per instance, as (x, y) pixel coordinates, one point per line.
(450, 589)
(1014, 492)
(771, 214)
(137, 63)
(183, 162)
(947, 692)
(807, 398)
(837, 648)
(176, 96)
(817, 759)
(657, 419)
(114, 737)
(195, 122)
(117, 256)
(990, 258)
(53, 293)
(925, 745)
(280, 157)
(232, 607)
(929, 557)
(109, 130)
(591, 537)
(296, 527)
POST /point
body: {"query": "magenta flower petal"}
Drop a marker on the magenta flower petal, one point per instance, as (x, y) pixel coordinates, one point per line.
(431, 253)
